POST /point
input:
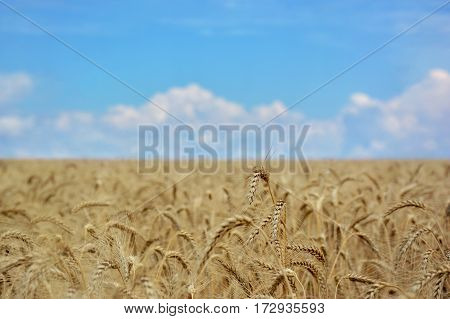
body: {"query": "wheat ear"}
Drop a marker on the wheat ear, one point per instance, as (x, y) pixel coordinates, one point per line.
(275, 227)
(17, 236)
(252, 187)
(316, 273)
(311, 250)
(403, 204)
(232, 271)
(225, 228)
(409, 240)
(257, 229)
(88, 204)
(52, 220)
(430, 275)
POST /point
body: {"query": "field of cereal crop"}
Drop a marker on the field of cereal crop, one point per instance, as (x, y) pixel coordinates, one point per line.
(349, 229)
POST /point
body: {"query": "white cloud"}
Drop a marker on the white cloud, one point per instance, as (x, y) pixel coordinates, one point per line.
(268, 112)
(359, 102)
(192, 104)
(124, 116)
(422, 108)
(68, 120)
(413, 121)
(14, 125)
(14, 85)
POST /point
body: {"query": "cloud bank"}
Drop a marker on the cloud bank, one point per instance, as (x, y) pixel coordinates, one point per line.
(411, 124)
(192, 104)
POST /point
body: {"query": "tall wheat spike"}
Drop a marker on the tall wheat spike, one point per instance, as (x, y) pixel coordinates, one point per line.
(252, 187)
(275, 227)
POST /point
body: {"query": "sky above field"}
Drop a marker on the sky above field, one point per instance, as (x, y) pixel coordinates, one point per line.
(225, 62)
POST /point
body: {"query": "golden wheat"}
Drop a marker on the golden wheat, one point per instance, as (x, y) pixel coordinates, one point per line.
(349, 229)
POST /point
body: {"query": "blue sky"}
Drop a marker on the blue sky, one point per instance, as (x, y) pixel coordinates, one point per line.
(253, 57)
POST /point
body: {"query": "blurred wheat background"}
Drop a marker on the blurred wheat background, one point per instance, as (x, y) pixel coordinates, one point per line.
(349, 229)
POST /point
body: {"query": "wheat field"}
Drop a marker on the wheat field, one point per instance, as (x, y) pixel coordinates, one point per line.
(348, 229)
